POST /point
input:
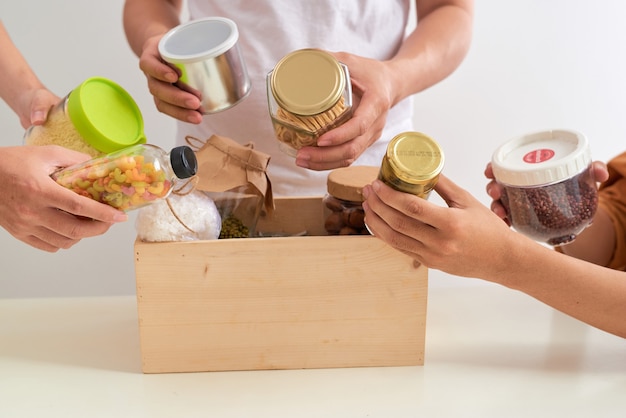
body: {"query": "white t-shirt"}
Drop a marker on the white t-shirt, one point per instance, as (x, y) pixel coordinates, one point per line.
(269, 30)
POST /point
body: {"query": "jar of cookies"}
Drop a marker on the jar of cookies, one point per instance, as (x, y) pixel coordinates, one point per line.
(412, 164)
(309, 93)
(130, 178)
(344, 200)
(96, 118)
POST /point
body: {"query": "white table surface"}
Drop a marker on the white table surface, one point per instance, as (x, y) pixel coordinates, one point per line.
(490, 352)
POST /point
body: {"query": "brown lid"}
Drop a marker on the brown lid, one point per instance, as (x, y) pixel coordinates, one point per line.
(347, 183)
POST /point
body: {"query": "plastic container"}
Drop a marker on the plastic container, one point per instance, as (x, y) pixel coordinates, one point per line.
(309, 93)
(345, 200)
(549, 191)
(130, 178)
(96, 118)
(412, 164)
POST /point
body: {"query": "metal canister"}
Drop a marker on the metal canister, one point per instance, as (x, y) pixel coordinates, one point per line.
(309, 93)
(412, 164)
(211, 65)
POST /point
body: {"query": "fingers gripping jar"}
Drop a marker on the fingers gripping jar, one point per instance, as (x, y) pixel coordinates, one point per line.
(309, 93)
(549, 191)
(345, 200)
(412, 164)
(130, 178)
(96, 118)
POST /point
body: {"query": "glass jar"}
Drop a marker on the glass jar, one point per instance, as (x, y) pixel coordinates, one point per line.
(96, 118)
(549, 191)
(345, 200)
(412, 164)
(309, 93)
(130, 178)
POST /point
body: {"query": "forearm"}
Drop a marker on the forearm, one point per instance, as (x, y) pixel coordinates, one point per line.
(596, 243)
(144, 19)
(593, 294)
(435, 48)
(19, 78)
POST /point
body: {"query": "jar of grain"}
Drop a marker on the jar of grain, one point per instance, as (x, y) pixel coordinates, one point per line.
(549, 191)
(96, 118)
(345, 199)
(309, 93)
(131, 177)
(412, 164)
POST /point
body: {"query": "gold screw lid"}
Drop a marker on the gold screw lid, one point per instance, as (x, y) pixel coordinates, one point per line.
(307, 82)
(347, 183)
(414, 158)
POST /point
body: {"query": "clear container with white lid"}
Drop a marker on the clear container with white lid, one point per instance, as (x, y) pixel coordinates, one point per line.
(549, 191)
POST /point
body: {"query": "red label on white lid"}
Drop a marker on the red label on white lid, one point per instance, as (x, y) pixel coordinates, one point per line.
(538, 156)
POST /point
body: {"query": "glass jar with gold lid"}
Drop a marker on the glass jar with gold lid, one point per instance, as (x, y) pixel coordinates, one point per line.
(309, 93)
(412, 164)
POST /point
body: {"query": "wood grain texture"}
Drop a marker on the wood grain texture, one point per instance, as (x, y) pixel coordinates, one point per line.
(280, 302)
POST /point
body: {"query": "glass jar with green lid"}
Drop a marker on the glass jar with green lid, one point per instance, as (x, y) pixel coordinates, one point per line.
(97, 117)
(412, 164)
(309, 93)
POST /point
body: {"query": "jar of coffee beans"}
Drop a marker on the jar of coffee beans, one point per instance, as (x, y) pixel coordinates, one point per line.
(97, 117)
(549, 191)
(309, 93)
(345, 199)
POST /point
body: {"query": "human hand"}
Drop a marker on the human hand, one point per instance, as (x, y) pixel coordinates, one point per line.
(494, 190)
(34, 105)
(464, 239)
(162, 83)
(372, 99)
(38, 211)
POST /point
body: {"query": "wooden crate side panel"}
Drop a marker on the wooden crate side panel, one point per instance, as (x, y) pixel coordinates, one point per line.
(200, 305)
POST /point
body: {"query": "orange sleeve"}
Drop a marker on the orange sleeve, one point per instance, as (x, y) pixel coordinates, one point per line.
(612, 199)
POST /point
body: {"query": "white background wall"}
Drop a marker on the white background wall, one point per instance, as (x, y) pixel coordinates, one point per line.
(534, 64)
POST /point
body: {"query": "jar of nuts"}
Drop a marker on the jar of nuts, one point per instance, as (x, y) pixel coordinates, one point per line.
(345, 200)
(549, 191)
(97, 117)
(309, 93)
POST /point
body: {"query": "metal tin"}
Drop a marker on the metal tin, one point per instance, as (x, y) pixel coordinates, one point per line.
(309, 92)
(412, 164)
(211, 64)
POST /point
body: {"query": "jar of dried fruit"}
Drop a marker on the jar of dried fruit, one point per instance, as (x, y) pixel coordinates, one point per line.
(130, 178)
(97, 117)
(549, 191)
(345, 199)
(309, 93)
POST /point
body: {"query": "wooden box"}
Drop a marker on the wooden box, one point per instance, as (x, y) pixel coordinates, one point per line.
(293, 302)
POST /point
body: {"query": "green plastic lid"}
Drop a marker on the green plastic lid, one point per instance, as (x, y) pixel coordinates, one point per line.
(105, 115)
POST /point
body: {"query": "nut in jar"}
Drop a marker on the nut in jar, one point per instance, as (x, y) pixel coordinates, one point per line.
(344, 200)
(309, 93)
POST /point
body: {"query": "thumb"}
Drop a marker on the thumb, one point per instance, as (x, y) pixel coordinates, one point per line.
(451, 193)
(40, 105)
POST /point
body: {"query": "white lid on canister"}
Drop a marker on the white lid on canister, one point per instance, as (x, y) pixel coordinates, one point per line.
(541, 158)
(198, 40)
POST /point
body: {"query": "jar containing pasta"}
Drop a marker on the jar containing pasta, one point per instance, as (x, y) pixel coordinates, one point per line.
(131, 177)
(96, 118)
(309, 93)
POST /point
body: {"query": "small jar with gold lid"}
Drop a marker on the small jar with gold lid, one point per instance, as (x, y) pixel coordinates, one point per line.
(344, 199)
(309, 93)
(412, 164)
